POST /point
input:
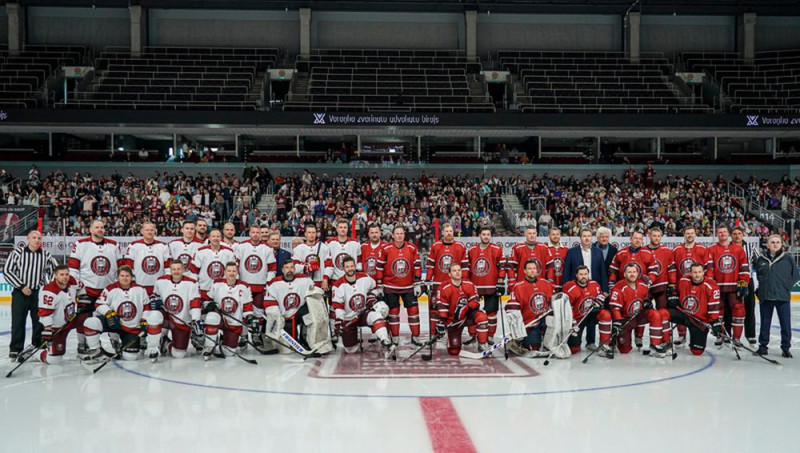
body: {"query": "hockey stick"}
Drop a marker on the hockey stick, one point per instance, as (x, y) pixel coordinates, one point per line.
(672, 352)
(503, 325)
(218, 343)
(35, 350)
(106, 360)
(259, 350)
(503, 342)
(433, 340)
(612, 337)
(575, 329)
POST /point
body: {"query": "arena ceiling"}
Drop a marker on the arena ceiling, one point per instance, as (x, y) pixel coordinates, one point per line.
(704, 7)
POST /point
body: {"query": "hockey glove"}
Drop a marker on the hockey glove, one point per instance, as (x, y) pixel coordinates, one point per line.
(47, 334)
(441, 329)
(716, 328)
(143, 326)
(198, 328)
(741, 289)
(338, 326)
(673, 301)
(500, 288)
(211, 306)
(599, 301)
(420, 288)
(378, 292)
(112, 320)
(646, 280)
(670, 290)
(648, 304)
(85, 305)
(253, 325)
(155, 302)
(616, 328)
(461, 312)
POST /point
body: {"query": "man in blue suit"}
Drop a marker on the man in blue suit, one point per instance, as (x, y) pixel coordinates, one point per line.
(281, 255)
(587, 255)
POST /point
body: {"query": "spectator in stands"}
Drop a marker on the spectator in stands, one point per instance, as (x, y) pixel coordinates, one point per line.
(143, 154)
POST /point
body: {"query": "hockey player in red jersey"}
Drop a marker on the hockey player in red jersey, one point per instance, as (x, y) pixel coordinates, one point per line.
(637, 255)
(58, 308)
(371, 251)
(232, 297)
(457, 302)
(175, 306)
(731, 270)
(530, 298)
(695, 305)
(487, 272)
(147, 257)
(629, 299)
(524, 251)
(209, 262)
(356, 306)
(399, 272)
(685, 255)
(664, 282)
(555, 262)
(119, 312)
(586, 298)
(442, 254)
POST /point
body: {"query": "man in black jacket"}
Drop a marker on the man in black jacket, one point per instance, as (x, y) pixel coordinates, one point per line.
(603, 243)
(777, 274)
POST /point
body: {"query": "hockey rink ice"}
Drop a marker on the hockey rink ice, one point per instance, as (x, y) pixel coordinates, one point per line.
(360, 403)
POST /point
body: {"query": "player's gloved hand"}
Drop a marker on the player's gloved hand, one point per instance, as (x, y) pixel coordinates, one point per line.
(599, 301)
(573, 332)
(741, 289)
(500, 288)
(461, 312)
(441, 329)
(378, 292)
(198, 328)
(143, 325)
(211, 306)
(47, 334)
(670, 290)
(252, 324)
(716, 328)
(646, 280)
(112, 319)
(85, 304)
(616, 328)
(648, 304)
(419, 288)
(155, 302)
(673, 301)
(338, 326)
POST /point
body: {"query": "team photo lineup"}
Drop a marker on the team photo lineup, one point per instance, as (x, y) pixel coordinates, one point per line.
(207, 295)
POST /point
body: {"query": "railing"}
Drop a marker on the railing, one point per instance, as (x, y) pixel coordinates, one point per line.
(752, 205)
(17, 228)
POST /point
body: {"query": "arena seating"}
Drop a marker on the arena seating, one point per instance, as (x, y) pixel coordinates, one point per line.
(174, 78)
(771, 84)
(595, 82)
(23, 74)
(388, 80)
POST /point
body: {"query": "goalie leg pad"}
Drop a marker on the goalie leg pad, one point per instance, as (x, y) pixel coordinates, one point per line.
(516, 327)
(318, 334)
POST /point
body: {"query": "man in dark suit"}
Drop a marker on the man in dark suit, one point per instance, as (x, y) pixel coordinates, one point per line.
(281, 255)
(604, 244)
(586, 255)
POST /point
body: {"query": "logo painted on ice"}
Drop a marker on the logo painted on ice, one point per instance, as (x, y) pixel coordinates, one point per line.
(752, 120)
(319, 118)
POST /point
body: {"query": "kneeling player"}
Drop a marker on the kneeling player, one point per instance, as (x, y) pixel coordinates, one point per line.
(117, 323)
(175, 306)
(629, 299)
(58, 313)
(586, 299)
(696, 306)
(457, 302)
(231, 305)
(355, 305)
(527, 307)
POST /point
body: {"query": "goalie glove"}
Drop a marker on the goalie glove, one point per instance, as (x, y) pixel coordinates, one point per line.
(155, 302)
(112, 320)
(741, 289)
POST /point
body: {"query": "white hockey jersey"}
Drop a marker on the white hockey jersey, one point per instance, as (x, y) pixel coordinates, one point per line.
(350, 299)
(56, 305)
(338, 251)
(149, 262)
(307, 258)
(183, 251)
(287, 297)
(94, 264)
(129, 304)
(181, 299)
(256, 264)
(235, 300)
(209, 265)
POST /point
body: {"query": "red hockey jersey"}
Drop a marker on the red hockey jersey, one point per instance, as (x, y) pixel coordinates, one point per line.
(641, 258)
(450, 297)
(664, 262)
(441, 256)
(701, 300)
(728, 265)
(581, 297)
(685, 257)
(399, 268)
(521, 253)
(625, 301)
(369, 258)
(532, 298)
(486, 267)
(555, 264)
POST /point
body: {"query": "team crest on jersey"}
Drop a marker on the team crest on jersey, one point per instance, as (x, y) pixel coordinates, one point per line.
(339, 260)
(538, 303)
(357, 302)
(481, 267)
(100, 266)
(253, 264)
(185, 258)
(658, 266)
(127, 311)
(634, 307)
(291, 301)
(586, 306)
(229, 305)
(371, 265)
(558, 264)
(690, 304)
(151, 265)
(401, 268)
(215, 270)
(69, 310)
(173, 303)
(726, 264)
(444, 262)
(686, 265)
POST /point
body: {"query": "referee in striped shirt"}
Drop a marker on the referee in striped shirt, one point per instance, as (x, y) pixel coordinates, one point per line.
(27, 269)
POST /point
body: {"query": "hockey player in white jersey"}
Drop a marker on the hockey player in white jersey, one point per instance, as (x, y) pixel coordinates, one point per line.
(175, 306)
(184, 249)
(312, 258)
(117, 321)
(209, 262)
(340, 248)
(94, 260)
(355, 305)
(256, 267)
(229, 309)
(147, 257)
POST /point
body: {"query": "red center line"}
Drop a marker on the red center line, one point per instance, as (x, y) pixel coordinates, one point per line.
(447, 433)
